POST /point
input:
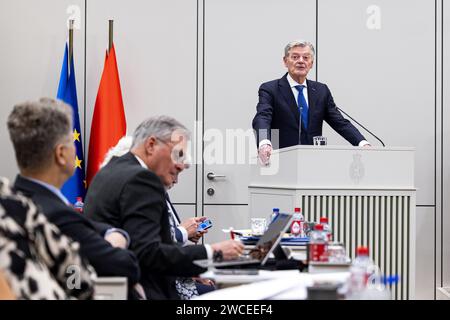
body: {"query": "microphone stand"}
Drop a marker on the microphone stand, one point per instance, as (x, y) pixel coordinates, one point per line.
(360, 125)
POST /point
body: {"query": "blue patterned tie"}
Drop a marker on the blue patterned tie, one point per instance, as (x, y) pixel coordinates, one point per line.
(185, 287)
(302, 105)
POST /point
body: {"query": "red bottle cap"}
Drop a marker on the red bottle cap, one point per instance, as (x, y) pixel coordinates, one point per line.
(297, 210)
(362, 251)
(318, 227)
(323, 220)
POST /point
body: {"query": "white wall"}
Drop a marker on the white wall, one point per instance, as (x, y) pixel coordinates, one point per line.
(32, 36)
(156, 56)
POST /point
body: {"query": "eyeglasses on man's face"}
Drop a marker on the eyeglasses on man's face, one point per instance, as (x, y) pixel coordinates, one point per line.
(178, 154)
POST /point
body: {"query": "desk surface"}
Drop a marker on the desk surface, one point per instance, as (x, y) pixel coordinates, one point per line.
(286, 284)
(245, 279)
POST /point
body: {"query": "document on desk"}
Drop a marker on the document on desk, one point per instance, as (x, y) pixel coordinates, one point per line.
(284, 286)
(262, 290)
(285, 241)
(247, 278)
(301, 291)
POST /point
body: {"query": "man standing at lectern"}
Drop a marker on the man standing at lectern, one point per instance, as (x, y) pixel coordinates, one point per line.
(285, 103)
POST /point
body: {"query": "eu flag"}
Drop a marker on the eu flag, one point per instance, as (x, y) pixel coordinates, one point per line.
(67, 92)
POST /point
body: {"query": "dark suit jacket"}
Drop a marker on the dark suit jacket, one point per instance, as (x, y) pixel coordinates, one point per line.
(106, 260)
(277, 109)
(130, 197)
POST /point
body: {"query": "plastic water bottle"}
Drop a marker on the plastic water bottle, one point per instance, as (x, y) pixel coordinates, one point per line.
(360, 271)
(78, 206)
(318, 245)
(377, 288)
(297, 223)
(326, 227)
(274, 215)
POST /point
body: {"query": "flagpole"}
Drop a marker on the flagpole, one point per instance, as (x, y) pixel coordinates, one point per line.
(111, 31)
(71, 22)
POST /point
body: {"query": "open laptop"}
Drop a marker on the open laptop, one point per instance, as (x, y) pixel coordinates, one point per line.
(263, 248)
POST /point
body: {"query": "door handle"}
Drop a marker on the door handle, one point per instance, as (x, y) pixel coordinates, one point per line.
(212, 176)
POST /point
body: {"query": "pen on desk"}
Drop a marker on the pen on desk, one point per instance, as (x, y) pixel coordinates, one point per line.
(232, 233)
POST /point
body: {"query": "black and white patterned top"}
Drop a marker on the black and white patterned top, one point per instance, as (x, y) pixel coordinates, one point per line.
(37, 260)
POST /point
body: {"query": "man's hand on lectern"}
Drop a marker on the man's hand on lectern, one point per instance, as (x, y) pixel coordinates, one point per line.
(264, 153)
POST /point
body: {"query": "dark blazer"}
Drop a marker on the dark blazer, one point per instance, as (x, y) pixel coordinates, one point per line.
(277, 109)
(106, 260)
(130, 197)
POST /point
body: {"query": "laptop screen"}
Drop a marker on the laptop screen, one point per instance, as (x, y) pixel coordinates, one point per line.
(270, 239)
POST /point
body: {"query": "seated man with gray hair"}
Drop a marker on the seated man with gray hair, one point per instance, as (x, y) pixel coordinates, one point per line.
(41, 133)
(185, 230)
(130, 193)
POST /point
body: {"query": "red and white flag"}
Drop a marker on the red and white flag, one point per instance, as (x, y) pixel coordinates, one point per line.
(108, 123)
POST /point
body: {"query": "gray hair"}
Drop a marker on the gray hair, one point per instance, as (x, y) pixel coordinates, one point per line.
(36, 127)
(161, 127)
(299, 43)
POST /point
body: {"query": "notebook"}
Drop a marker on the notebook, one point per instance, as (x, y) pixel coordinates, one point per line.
(263, 248)
(286, 240)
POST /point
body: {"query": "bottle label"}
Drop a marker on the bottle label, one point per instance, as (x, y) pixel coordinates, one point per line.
(273, 216)
(318, 252)
(296, 228)
(78, 206)
(79, 209)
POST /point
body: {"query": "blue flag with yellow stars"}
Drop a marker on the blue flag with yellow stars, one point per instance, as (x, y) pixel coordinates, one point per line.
(67, 92)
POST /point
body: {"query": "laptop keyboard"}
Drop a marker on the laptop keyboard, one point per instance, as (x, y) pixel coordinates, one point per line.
(243, 258)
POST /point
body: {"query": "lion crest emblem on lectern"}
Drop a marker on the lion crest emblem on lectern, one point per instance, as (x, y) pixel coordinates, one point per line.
(356, 170)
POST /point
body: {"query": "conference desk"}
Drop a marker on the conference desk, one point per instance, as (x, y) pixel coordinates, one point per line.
(278, 284)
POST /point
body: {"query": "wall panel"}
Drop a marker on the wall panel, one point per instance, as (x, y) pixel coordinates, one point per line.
(156, 49)
(384, 77)
(33, 36)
